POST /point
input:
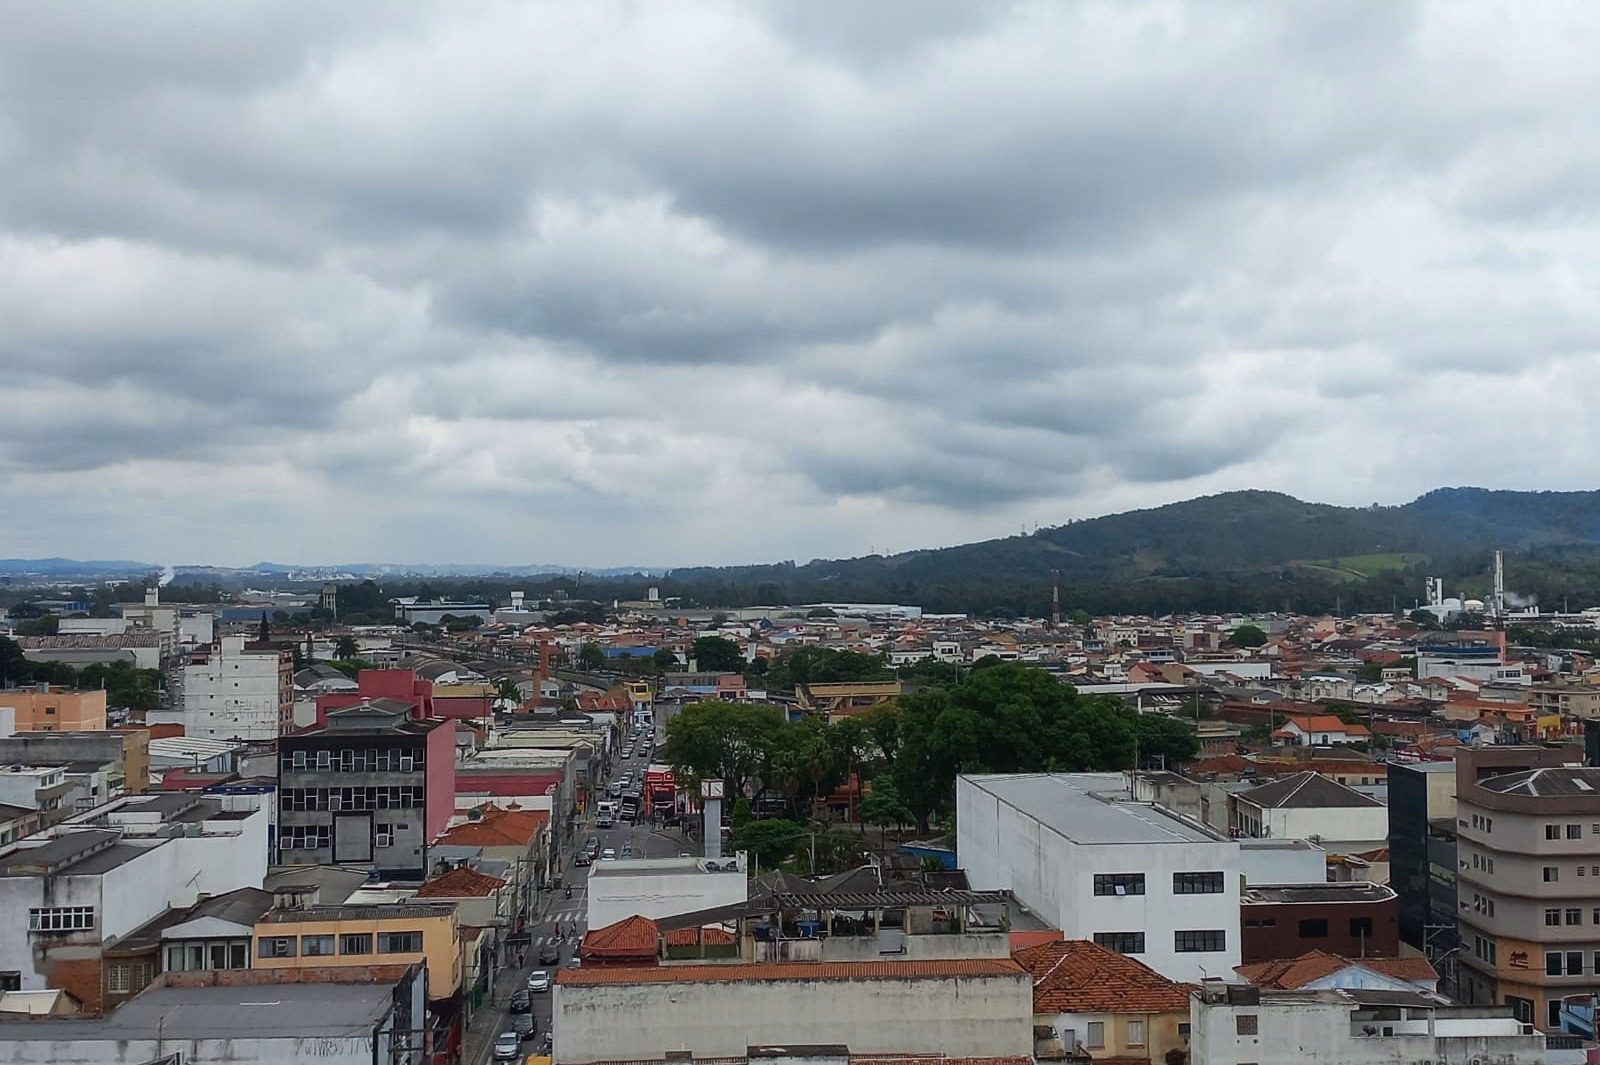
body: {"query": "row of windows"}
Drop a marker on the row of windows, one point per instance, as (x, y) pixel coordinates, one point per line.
(352, 943)
(1182, 883)
(1568, 963)
(393, 797)
(201, 957)
(1479, 821)
(1573, 916)
(1482, 862)
(61, 919)
(1483, 949)
(1191, 941)
(1485, 905)
(305, 837)
(356, 760)
(1095, 1035)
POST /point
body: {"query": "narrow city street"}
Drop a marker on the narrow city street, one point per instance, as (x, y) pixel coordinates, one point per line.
(559, 924)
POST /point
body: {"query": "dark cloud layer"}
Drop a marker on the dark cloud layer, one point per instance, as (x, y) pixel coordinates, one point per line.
(703, 282)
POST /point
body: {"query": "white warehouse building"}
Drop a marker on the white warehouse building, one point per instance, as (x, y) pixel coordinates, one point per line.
(1078, 851)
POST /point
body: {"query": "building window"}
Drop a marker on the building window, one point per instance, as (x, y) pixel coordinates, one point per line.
(1574, 963)
(1552, 962)
(1097, 1035)
(278, 947)
(61, 919)
(356, 943)
(1552, 918)
(1574, 831)
(1574, 916)
(1361, 926)
(11, 980)
(1484, 949)
(1196, 883)
(1199, 941)
(1246, 1024)
(238, 955)
(1552, 831)
(1121, 942)
(1135, 1034)
(399, 942)
(118, 978)
(1119, 884)
(316, 946)
(1314, 928)
(1551, 874)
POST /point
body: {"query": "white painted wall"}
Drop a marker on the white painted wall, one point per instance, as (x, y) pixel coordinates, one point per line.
(232, 695)
(945, 1016)
(1330, 825)
(1000, 847)
(623, 888)
(1309, 1032)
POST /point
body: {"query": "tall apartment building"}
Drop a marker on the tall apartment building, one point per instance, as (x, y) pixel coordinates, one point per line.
(371, 786)
(1528, 878)
(235, 692)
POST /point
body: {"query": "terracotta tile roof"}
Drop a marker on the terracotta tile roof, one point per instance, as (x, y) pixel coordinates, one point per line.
(631, 937)
(800, 970)
(688, 937)
(460, 883)
(498, 828)
(1077, 976)
(1288, 974)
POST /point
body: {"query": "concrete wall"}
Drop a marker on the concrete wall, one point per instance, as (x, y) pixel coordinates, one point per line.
(950, 1016)
(1331, 826)
(285, 1050)
(1320, 1033)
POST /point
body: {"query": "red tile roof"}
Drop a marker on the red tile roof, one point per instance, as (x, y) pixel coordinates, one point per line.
(1077, 976)
(632, 937)
(497, 828)
(816, 970)
(1288, 974)
(460, 883)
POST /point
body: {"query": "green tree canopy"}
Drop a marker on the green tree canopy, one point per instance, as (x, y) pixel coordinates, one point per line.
(591, 658)
(346, 647)
(717, 654)
(1247, 636)
(1163, 741)
(717, 740)
(770, 842)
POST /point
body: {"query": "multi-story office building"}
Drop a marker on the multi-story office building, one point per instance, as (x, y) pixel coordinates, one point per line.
(1528, 887)
(1083, 855)
(369, 787)
(1422, 852)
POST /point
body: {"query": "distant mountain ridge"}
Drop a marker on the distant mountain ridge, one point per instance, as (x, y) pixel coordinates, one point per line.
(1227, 533)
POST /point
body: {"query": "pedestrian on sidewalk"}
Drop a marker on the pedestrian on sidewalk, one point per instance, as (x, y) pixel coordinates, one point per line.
(522, 959)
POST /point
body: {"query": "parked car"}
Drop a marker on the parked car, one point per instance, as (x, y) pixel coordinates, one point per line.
(581, 858)
(521, 1001)
(550, 954)
(608, 855)
(523, 1025)
(539, 981)
(508, 1046)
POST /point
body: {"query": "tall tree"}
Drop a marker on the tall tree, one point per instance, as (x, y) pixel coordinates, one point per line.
(717, 654)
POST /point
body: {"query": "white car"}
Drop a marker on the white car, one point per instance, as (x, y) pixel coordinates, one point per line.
(539, 981)
(608, 855)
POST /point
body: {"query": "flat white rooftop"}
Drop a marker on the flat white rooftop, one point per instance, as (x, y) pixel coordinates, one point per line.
(1089, 808)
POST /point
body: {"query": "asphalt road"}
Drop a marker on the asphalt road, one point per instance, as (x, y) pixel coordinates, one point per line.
(570, 915)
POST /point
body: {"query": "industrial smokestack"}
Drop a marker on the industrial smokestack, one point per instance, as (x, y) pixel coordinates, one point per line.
(1055, 599)
(1499, 600)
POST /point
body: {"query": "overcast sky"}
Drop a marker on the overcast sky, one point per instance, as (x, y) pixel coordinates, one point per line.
(669, 282)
